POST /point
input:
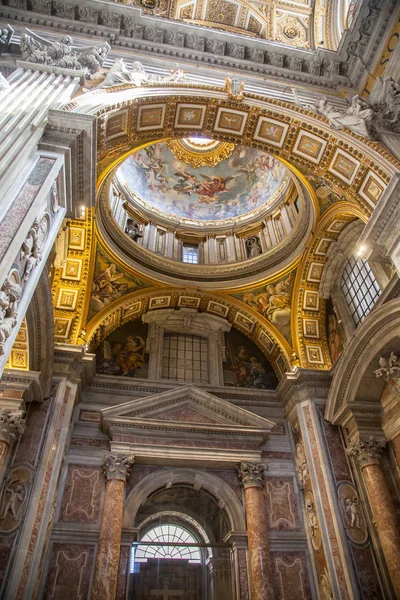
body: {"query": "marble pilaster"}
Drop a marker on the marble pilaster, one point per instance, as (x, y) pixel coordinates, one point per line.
(116, 468)
(366, 454)
(396, 449)
(251, 477)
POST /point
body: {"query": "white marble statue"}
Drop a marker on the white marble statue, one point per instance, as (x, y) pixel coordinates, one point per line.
(120, 74)
(357, 117)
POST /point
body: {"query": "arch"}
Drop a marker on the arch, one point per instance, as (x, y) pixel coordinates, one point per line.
(378, 329)
(131, 306)
(40, 324)
(308, 316)
(221, 491)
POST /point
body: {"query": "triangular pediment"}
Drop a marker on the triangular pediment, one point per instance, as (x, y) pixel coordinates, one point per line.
(187, 404)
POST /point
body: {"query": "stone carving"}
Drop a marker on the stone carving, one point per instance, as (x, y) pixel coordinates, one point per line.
(37, 49)
(5, 37)
(10, 294)
(253, 247)
(385, 100)
(234, 87)
(12, 424)
(30, 254)
(357, 117)
(389, 369)
(117, 466)
(13, 498)
(251, 474)
(301, 467)
(312, 521)
(325, 587)
(120, 74)
(132, 229)
(352, 514)
(366, 452)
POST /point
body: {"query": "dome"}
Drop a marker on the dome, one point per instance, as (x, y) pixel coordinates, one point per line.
(202, 181)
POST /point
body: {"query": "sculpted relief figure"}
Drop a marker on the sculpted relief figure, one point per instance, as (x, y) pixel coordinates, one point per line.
(253, 247)
(352, 511)
(389, 369)
(13, 499)
(63, 54)
(9, 296)
(120, 74)
(357, 117)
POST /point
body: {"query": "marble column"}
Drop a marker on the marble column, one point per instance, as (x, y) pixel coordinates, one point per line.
(12, 425)
(116, 469)
(367, 455)
(252, 477)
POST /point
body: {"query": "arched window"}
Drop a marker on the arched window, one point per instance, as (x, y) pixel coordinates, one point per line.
(360, 288)
(166, 541)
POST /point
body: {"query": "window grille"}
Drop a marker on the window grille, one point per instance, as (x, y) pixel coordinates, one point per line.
(166, 541)
(185, 358)
(360, 288)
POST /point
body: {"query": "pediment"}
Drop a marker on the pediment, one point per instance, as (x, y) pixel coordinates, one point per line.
(186, 405)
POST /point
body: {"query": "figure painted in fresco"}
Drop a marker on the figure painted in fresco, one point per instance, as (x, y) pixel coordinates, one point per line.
(123, 352)
(334, 332)
(247, 364)
(106, 286)
(158, 180)
(273, 303)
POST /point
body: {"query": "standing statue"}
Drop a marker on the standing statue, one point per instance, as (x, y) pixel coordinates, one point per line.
(253, 247)
(132, 229)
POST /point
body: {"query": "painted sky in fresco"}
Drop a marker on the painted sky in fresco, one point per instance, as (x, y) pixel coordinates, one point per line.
(234, 187)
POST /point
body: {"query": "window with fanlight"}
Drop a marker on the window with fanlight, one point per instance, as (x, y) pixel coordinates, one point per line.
(167, 541)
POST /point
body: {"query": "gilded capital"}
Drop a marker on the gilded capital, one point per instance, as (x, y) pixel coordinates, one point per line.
(251, 474)
(366, 452)
(117, 466)
(12, 425)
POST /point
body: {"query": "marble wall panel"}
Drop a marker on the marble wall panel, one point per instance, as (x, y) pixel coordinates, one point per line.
(90, 443)
(69, 572)
(6, 547)
(82, 494)
(123, 573)
(30, 442)
(291, 580)
(281, 504)
(231, 478)
(337, 455)
(243, 575)
(366, 573)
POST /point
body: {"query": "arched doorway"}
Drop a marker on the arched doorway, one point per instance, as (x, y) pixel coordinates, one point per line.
(181, 551)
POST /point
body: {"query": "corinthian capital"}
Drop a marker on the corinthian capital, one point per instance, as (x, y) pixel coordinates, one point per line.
(117, 466)
(366, 452)
(251, 474)
(12, 425)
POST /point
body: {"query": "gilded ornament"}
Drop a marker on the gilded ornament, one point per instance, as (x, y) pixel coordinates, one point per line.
(203, 157)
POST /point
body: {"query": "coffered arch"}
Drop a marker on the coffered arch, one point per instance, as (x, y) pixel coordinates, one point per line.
(131, 306)
(308, 310)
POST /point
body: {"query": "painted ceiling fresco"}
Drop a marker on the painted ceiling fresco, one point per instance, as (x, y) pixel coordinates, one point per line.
(248, 180)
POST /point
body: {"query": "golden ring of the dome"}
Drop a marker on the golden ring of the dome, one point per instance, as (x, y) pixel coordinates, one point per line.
(200, 154)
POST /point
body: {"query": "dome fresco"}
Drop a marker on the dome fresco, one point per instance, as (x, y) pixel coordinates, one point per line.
(248, 180)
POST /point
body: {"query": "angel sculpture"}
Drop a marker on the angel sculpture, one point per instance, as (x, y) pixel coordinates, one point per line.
(389, 369)
(63, 54)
